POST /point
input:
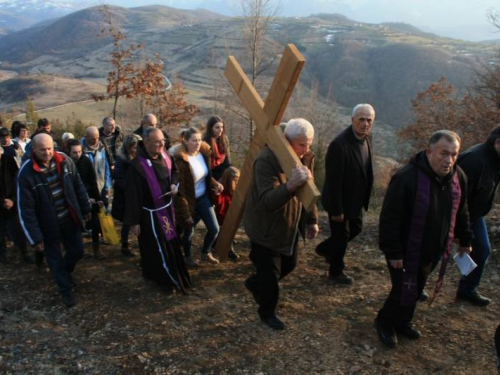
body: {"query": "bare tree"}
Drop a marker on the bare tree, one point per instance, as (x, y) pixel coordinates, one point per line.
(260, 52)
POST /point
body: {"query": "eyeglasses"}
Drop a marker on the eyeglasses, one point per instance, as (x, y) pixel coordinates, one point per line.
(160, 142)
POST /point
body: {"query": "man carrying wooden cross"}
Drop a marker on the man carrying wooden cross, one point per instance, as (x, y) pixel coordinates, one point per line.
(274, 218)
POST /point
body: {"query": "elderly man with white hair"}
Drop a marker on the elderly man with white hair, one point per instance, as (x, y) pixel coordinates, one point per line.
(274, 218)
(347, 189)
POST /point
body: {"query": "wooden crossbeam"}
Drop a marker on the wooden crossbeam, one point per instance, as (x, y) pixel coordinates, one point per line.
(266, 117)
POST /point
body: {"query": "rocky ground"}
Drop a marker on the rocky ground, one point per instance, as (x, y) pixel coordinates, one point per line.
(122, 325)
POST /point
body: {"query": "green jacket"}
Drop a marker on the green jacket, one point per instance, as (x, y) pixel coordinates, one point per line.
(273, 216)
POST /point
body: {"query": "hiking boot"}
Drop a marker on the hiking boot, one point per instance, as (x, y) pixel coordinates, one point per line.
(408, 331)
(473, 297)
(190, 261)
(96, 249)
(127, 253)
(386, 335)
(274, 322)
(342, 278)
(209, 258)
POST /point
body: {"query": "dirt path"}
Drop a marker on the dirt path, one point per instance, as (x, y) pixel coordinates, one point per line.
(121, 325)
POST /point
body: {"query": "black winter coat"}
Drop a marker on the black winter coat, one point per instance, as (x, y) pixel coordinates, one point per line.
(347, 186)
(121, 169)
(37, 212)
(8, 182)
(397, 211)
(481, 164)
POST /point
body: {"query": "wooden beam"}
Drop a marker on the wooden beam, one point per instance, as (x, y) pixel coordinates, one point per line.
(266, 116)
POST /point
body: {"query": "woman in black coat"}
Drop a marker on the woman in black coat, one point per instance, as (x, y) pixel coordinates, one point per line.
(126, 153)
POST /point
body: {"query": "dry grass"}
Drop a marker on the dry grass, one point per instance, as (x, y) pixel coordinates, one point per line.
(121, 325)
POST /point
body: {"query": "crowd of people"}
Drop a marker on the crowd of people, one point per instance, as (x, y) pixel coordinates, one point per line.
(53, 190)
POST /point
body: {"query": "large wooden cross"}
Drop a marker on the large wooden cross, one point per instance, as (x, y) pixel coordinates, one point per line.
(267, 117)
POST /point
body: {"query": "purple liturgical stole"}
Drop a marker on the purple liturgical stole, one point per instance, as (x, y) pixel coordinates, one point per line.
(415, 238)
(163, 214)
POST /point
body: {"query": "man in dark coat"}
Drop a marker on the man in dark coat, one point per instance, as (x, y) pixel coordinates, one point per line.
(8, 209)
(148, 121)
(151, 183)
(53, 203)
(274, 219)
(481, 164)
(424, 210)
(112, 136)
(347, 189)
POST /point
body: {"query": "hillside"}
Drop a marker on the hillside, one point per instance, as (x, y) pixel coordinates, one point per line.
(122, 325)
(385, 64)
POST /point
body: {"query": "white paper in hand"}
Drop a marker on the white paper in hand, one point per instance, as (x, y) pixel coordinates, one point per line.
(464, 263)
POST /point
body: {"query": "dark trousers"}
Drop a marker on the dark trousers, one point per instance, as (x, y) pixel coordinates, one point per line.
(61, 265)
(336, 245)
(393, 313)
(8, 220)
(270, 267)
(481, 251)
(124, 235)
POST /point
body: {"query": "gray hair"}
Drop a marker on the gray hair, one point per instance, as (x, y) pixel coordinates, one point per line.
(67, 136)
(361, 106)
(129, 141)
(146, 133)
(297, 127)
(449, 135)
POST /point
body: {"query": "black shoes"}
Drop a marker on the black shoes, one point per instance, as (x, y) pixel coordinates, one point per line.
(408, 331)
(342, 278)
(473, 297)
(127, 253)
(387, 336)
(423, 296)
(274, 322)
(252, 290)
(68, 299)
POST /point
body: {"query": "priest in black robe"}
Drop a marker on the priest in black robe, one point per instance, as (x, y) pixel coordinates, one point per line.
(424, 211)
(151, 183)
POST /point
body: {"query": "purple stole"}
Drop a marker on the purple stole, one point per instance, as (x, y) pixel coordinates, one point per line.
(164, 216)
(416, 234)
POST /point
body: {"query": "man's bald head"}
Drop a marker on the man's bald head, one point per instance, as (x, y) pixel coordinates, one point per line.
(149, 121)
(43, 148)
(92, 136)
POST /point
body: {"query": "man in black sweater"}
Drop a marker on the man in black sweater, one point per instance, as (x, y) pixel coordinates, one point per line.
(348, 184)
(481, 164)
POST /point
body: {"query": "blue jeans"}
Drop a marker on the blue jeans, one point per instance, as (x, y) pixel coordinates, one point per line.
(62, 266)
(203, 210)
(481, 251)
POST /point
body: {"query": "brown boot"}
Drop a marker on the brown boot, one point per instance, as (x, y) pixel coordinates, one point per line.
(97, 251)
